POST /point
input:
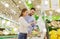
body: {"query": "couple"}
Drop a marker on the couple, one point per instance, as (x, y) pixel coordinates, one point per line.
(26, 22)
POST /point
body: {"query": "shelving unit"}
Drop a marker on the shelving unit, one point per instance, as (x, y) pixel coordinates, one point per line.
(53, 29)
(7, 28)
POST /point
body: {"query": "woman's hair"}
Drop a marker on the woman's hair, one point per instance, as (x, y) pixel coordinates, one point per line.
(23, 10)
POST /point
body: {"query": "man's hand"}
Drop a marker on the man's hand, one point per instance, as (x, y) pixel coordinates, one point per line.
(33, 23)
(29, 35)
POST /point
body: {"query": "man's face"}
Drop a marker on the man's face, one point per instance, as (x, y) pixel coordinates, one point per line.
(32, 12)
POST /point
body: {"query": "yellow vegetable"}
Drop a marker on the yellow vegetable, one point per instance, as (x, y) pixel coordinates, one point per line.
(58, 37)
(53, 37)
(53, 32)
(58, 31)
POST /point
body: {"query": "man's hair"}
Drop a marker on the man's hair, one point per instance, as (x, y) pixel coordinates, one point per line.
(33, 9)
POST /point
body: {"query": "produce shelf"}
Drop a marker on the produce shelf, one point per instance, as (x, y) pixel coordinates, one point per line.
(8, 36)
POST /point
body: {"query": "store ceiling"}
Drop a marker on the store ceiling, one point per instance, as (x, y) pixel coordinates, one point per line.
(11, 7)
(14, 7)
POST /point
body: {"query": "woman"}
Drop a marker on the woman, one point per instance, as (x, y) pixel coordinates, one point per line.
(23, 29)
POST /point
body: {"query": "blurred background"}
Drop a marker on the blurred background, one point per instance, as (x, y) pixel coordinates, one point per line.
(10, 11)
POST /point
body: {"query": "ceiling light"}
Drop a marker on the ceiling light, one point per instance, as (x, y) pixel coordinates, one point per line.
(19, 1)
(38, 6)
(29, 1)
(5, 4)
(46, 2)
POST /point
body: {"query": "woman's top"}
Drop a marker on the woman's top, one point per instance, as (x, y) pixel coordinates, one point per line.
(23, 25)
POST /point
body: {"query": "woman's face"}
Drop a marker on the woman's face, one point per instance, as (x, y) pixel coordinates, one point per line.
(25, 13)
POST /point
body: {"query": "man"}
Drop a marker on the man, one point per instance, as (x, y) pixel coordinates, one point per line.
(30, 19)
